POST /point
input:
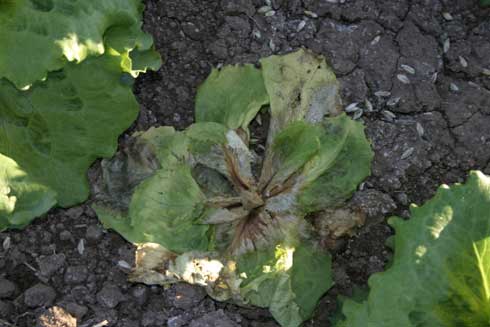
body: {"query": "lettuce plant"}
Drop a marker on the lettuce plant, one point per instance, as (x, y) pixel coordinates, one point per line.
(205, 208)
(52, 132)
(440, 274)
(40, 36)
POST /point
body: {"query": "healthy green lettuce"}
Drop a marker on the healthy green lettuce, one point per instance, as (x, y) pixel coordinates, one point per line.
(440, 275)
(200, 212)
(52, 132)
(40, 36)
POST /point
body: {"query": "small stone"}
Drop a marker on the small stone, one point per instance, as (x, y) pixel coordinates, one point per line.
(50, 264)
(140, 294)
(300, 26)
(453, 87)
(402, 198)
(176, 321)
(264, 9)
(374, 203)
(81, 294)
(81, 246)
(188, 296)
(110, 296)
(233, 7)
(311, 14)
(446, 45)
(94, 233)
(407, 153)
(403, 78)
(76, 310)
(420, 129)
(6, 243)
(376, 40)
(393, 102)
(75, 212)
(75, 274)
(408, 69)
(39, 295)
(7, 288)
(65, 235)
(56, 317)
(382, 94)
(156, 318)
(6, 309)
(447, 16)
(463, 62)
(214, 319)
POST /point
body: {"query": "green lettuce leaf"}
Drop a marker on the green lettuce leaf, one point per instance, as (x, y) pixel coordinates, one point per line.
(200, 213)
(231, 96)
(440, 274)
(55, 130)
(75, 62)
(40, 36)
(20, 197)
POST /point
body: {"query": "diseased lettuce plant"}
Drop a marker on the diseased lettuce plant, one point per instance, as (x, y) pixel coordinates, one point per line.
(206, 209)
(440, 275)
(74, 61)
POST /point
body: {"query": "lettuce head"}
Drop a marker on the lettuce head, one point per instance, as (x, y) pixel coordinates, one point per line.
(204, 207)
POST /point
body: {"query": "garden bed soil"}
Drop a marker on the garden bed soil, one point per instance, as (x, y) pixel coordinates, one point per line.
(431, 129)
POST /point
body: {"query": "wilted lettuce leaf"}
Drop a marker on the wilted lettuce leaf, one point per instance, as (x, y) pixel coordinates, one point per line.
(440, 274)
(200, 214)
(40, 36)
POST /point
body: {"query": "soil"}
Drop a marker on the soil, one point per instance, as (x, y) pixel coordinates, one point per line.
(428, 125)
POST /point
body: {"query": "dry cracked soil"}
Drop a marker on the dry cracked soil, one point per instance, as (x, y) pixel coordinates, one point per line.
(419, 71)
